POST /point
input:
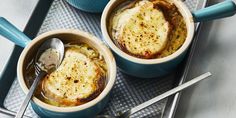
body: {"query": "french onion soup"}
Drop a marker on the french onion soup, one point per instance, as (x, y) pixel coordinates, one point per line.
(80, 78)
(148, 29)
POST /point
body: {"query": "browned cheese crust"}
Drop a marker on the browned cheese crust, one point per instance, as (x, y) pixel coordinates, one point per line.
(142, 39)
(79, 79)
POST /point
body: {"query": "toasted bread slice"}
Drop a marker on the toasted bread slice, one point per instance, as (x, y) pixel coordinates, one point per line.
(77, 80)
(145, 33)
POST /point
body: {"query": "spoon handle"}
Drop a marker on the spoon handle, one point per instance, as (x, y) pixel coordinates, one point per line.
(166, 94)
(25, 103)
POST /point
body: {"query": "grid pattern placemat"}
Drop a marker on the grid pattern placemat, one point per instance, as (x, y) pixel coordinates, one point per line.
(127, 92)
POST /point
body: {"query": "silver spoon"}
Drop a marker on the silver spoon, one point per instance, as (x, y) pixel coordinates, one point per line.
(49, 56)
(135, 109)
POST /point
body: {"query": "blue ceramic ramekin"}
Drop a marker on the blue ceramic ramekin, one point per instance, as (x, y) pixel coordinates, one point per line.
(87, 110)
(93, 6)
(90, 112)
(150, 68)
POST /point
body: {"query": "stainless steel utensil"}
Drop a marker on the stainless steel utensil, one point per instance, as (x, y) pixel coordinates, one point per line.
(42, 70)
(131, 111)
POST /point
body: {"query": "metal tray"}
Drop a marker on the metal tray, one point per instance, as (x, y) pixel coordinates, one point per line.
(127, 92)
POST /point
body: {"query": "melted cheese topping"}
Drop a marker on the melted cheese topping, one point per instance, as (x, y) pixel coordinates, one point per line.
(141, 30)
(148, 28)
(77, 80)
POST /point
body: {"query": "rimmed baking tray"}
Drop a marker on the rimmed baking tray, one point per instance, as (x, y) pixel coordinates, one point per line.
(127, 92)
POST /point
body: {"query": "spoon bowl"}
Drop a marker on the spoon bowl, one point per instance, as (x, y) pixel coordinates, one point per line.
(54, 44)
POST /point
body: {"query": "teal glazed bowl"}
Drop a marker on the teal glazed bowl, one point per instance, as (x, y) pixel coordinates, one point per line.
(44, 110)
(151, 68)
(93, 6)
(90, 112)
(87, 110)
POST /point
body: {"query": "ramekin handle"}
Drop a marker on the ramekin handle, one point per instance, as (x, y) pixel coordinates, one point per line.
(220, 10)
(12, 33)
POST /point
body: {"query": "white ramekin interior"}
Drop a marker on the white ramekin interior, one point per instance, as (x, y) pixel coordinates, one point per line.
(99, 45)
(183, 10)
